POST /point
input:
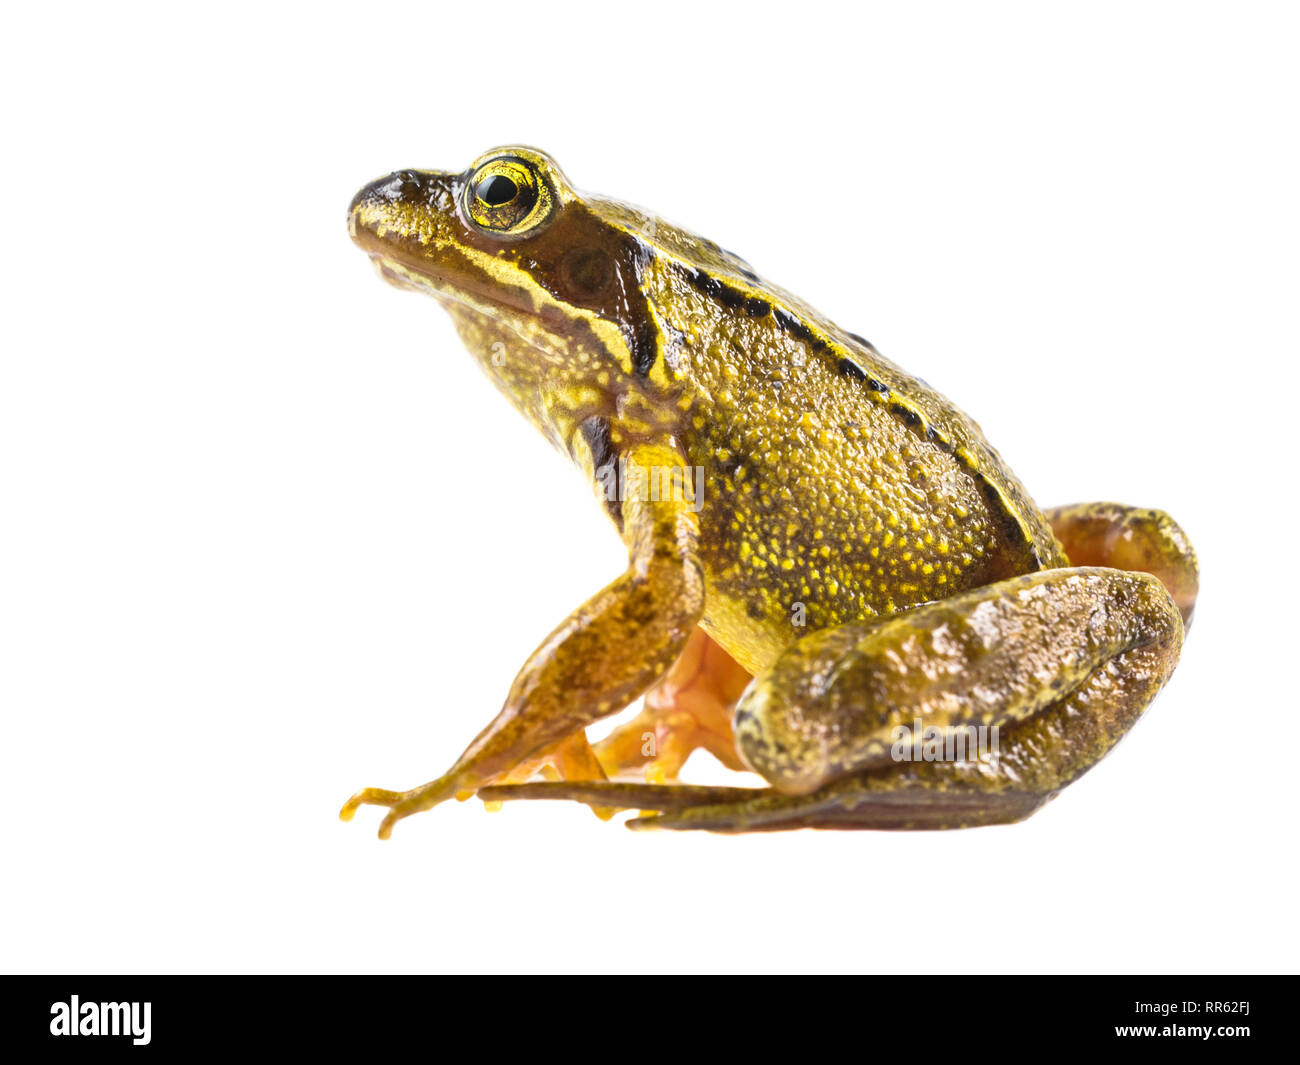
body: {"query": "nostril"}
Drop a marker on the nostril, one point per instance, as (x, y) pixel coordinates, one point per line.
(412, 185)
(399, 186)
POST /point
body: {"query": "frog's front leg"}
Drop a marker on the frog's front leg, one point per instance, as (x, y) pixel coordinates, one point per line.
(1062, 662)
(602, 657)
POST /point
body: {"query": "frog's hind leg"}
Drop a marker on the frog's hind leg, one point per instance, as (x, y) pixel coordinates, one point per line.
(625, 795)
(865, 695)
(867, 803)
(1031, 760)
(850, 805)
(973, 710)
(689, 709)
(1130, 538)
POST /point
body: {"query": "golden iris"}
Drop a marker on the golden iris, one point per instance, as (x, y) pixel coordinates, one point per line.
(507, 197)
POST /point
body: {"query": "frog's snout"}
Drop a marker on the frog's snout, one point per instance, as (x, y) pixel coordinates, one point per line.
(399, 203)
(401, 186)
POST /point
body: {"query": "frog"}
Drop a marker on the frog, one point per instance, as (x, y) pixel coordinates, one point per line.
(832, 575)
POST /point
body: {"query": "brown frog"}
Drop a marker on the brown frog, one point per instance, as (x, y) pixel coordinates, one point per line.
(927, 648)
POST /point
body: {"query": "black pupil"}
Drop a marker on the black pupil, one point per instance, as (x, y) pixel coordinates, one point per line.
(497, 190)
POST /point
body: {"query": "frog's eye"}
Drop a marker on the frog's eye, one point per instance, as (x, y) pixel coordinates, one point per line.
(508, 197)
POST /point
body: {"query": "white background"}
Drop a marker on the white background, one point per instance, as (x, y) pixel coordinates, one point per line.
(268, 536)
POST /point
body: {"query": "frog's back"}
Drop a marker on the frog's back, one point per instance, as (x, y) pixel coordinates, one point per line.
(836, 486)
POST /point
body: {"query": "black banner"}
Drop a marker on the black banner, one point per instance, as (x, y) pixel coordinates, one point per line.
(164, 1014)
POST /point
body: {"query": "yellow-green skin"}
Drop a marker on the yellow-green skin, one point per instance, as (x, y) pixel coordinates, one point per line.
(836, 493)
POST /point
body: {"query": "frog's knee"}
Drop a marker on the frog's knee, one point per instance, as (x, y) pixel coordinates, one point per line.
(799, 738)
(770, 743)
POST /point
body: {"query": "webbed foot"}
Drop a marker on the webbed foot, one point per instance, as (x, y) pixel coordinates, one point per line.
(689, 709)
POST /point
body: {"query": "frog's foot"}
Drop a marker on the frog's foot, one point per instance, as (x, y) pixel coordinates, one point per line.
(400, 803)
(569, 760)
(1130, 538)
(874, 801)
(689, 709)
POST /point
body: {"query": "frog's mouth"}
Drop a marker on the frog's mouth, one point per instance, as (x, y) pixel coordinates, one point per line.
(520, 313)
(528, 322)
(404, 277)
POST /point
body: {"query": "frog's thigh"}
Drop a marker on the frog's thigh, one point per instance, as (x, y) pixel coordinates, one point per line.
(1035, 758)
(849, 699)
(1132, 538)
(689, 709)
